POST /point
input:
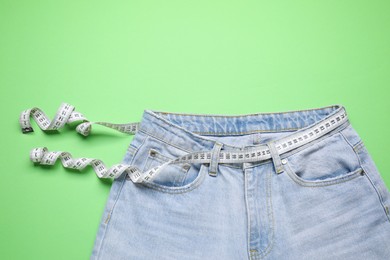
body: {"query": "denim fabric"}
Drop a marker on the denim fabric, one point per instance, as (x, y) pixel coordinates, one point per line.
(322, 200)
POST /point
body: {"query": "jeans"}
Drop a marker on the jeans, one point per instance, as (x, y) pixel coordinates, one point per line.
(323, 199)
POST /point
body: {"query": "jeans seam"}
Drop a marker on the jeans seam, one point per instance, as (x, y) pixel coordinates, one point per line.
(355, 147)
(106, 221)
(384, 207)
(359, 147)
(178, 190)
(267, 250)
(247, 212)
(115, 201)
(350, 144)
(254, 253)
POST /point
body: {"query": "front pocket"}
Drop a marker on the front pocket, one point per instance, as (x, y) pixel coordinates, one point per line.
(174, 177)
(176, 174)
(326, 162)
(324, 182)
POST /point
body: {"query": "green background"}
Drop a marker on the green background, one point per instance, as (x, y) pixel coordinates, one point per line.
(113, 59)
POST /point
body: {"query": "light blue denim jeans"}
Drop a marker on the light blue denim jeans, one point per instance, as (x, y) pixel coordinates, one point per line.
(322, 200)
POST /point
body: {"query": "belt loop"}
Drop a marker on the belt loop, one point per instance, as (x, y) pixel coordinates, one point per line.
(275, 157)
(214, 159)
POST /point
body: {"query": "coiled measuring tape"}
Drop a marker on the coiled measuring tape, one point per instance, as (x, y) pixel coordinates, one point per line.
(66, 114)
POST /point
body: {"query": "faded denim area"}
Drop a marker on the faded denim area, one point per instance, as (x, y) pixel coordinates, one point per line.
(328, 201)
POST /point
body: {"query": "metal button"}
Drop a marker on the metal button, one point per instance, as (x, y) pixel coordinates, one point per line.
(186, 167)
(284, 161)
(152, 153)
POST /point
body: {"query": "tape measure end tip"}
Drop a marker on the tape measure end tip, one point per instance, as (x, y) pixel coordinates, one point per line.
(27, 130)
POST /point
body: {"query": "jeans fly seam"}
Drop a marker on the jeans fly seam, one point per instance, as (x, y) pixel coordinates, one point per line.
(270, 214)
(247, 211)
(254, 254)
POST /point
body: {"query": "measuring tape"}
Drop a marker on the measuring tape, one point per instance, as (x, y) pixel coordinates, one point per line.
(66, 114)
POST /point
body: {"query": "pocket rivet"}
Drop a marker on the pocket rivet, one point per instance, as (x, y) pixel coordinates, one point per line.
(284, 161)
(152, 153)
(362, 172)
(186, 167)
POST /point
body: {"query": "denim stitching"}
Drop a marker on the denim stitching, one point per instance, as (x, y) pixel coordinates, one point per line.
(346, 139)
(247, 211)
(331, 133)
(254, 253)
(378, 191)
(176, 190)
(353, 146)
(253, 114)
(249, 132)
(255, 164)
(357, 147)
(117, 198)
(337, 129)
(162, 159)
(313, 184)
(157, 114)
(384, 207)
(298, 149)
(109, 217)
(168, 143)
(251, 251)
(307, 145)
(270, 214)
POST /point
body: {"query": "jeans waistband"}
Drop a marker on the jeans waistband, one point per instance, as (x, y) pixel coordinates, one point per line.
(189, 131)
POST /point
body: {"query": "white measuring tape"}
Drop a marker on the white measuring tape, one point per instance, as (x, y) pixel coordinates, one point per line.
(66, 114)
